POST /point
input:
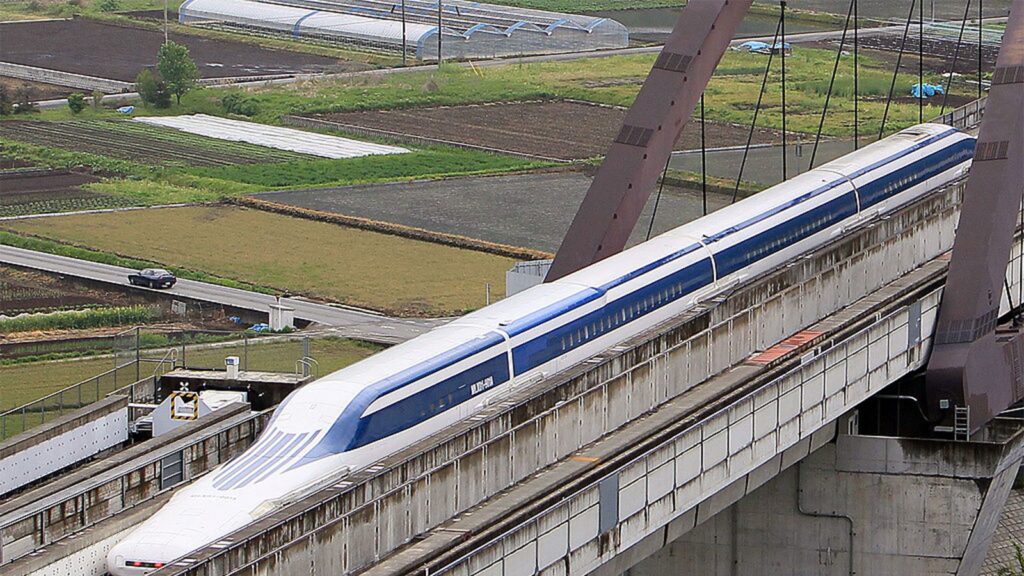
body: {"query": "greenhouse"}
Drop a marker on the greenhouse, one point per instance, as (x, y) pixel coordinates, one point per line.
(468, 29)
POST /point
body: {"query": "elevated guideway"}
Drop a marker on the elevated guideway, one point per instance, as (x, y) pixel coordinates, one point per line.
(669, 428)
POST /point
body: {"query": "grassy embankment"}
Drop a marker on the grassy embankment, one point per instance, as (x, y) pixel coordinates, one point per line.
(356, 267)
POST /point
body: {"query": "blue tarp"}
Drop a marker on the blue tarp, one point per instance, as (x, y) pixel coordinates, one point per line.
(929, 91)
(126, 109)
(754, 46)
(764, 47)
(260, 327)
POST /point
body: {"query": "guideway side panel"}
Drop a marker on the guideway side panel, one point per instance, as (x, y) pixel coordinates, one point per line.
(969, 366)
(652, 127)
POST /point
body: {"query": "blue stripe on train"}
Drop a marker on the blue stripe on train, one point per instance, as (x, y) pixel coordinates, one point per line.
(349, 432)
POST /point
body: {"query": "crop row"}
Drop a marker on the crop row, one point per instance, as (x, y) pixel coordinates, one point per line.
(73, 204)
(82, 319)
(119, 139)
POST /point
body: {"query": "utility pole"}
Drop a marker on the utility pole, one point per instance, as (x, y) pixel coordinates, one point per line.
(165, 22)
(440, 9)
(403, 34)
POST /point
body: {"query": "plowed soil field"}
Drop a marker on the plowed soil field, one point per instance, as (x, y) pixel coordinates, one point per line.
(120, 52)
(551, 129)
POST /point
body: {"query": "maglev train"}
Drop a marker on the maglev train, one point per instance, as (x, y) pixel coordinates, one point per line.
(354, 417)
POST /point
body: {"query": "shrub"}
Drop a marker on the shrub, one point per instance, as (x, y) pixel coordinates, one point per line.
(109, 5)
(152, 89)
(76, 102)
(240, 104)
(25, 99)
(6, 102)
(81, 319)
(97, 99)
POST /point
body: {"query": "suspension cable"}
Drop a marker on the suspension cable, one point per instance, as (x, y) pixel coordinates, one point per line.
(657, 199)
(981, 30)
(896, 72)
(856, 76)
(956, 56)
(920, 63)
(831, 84)
(704, 159)
(782, 25)
(757, 109)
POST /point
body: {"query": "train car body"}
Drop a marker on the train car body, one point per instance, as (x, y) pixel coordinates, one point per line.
(356, 416)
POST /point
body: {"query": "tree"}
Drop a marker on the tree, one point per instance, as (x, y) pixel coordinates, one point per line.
(177, 69)
(25, 101)
(6, 101)
(76, 102)
(152, 89)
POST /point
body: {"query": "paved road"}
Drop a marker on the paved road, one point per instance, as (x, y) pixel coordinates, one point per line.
(349, 323)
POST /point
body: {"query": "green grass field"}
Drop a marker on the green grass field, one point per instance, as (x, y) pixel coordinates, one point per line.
(24, 383)
(356, 267)
(731, 95)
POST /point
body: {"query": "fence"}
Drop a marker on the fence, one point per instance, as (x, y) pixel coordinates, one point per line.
(965, 117)
(141, 356)
(53, 406)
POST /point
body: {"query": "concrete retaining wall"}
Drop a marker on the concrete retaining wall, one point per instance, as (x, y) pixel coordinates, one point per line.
(45, 75)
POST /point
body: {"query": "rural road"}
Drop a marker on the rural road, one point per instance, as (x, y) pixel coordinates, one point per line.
(349, 323)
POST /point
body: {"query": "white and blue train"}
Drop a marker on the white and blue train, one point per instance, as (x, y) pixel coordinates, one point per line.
(356, 416)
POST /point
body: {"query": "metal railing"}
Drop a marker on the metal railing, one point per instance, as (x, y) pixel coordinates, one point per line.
(56, 404)
(967, 116)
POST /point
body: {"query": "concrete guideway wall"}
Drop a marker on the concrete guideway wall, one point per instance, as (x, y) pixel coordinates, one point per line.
(861, 505)
(79, 435)
(353, 525)
(93, 494)
(693, 476)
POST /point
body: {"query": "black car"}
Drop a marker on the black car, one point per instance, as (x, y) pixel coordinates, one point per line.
(152, 277)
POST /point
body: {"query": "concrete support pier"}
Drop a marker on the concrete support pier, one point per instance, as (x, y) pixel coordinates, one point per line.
(861, 505)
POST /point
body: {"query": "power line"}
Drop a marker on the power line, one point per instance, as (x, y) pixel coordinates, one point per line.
(831, 83)
(896, 72)
(757, 109)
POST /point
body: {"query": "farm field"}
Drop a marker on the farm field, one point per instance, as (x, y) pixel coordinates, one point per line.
(40, 191)
(616, 80)
(552, 129)
(528, 210)
(118, 52)
(23, 383)
(141, 143)
(346, 265)
(28, 291)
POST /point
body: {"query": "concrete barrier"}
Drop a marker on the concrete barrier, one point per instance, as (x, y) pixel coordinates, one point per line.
(127, 479)
(66, 441)
(69, 79)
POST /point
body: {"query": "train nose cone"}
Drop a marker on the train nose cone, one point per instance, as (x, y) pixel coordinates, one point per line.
(142, 554)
